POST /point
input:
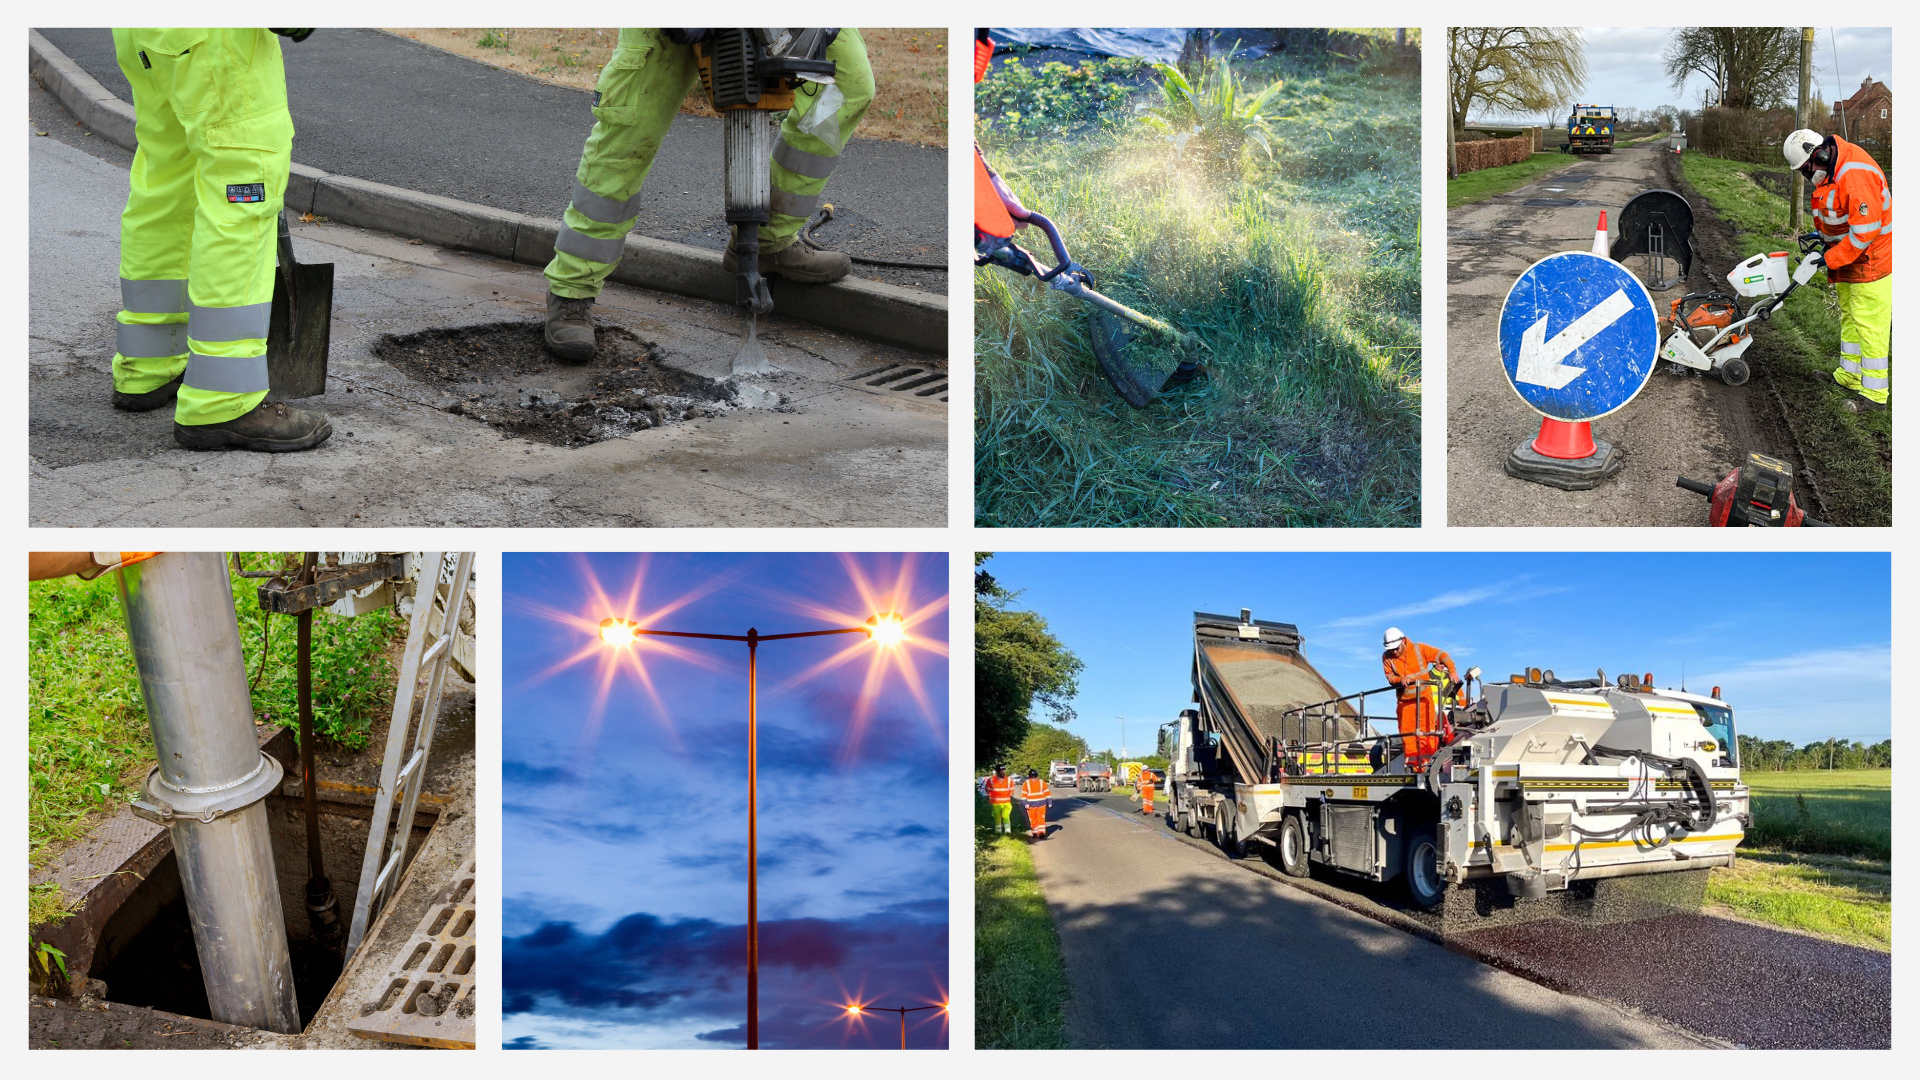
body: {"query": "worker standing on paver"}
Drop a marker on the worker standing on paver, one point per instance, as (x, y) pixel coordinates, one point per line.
(198, 236)
(1853, 210)
(1000, 799)
(1036, 791)
(640, 89)
(1419, 672)
(1145, 786)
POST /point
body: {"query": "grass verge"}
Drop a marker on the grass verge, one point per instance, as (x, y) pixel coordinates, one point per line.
(1845, 812)
(1848, 900)
(1486, 183)
(88, 744)
(1853, 455)
(909, 69)
(1300, 273)
(1020, 983)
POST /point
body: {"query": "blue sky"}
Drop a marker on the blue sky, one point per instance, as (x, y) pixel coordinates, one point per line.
(1799, 644)
(624, 803)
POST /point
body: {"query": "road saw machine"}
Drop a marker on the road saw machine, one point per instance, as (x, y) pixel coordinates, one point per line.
(1540, 784)
(1710, 331)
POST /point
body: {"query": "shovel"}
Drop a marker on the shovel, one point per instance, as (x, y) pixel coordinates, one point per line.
(300, 324)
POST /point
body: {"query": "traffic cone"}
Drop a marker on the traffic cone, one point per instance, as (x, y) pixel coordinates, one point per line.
(1564, 440)
(1600, 237)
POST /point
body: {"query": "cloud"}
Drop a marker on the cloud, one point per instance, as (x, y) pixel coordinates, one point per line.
(1805, 696)
(519, 772)
(1446, 601)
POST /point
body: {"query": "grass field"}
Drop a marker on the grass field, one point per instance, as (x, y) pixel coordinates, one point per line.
(1819, 856)
(1853, 454)
(88, 746)
(1485, 183)
(1299, 273)
(909, 69)
(1020, 983)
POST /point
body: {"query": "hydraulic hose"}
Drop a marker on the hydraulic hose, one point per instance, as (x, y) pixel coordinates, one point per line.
(825, 214)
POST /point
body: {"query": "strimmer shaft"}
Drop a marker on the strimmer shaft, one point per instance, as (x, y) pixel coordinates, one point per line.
(210, 782)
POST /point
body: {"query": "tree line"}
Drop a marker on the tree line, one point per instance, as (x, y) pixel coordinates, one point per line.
(1781, 755)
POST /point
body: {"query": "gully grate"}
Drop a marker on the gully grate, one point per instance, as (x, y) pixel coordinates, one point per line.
(914, 380)
(428, 996)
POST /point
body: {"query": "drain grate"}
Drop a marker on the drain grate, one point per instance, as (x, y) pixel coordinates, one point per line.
(428, 999)
(915, 380)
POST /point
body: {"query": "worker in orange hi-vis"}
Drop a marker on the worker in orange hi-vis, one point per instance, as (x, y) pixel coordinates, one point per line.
(1036, 792)
(999, 789)
(1416, 671)
(1145, 786)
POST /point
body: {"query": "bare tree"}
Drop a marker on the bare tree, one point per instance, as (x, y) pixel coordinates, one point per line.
(1749, 67)
(1513, 69)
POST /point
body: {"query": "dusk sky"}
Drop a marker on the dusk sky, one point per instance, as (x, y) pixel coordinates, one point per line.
(624, 801)
(1799, 644)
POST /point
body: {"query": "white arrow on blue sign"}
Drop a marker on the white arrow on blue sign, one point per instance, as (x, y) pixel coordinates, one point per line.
(1579, 336)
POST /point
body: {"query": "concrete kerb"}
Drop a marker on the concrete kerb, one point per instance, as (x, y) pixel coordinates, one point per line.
(874, 310)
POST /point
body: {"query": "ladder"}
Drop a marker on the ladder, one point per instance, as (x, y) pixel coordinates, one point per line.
(401, 772)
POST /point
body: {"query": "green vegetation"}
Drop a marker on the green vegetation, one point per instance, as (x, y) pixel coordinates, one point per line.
(1298, 273)
(1027, 101)
(88, 747)
(1020, 982)
(1849, 900)
(1486, 183)
(1853, 454)
(1840, 812)
(1044, 745)
(1017, 663)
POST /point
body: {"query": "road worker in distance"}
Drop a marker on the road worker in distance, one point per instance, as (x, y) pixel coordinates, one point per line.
(999, 789)
(1853, 210)
(1145, 787)
(1420, 673)
(1036, 791)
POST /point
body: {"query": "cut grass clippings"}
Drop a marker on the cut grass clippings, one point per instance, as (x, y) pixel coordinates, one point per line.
(909, 69)
(1299, 274)
(1852, 454)
(1020, 982)
(1486, 183)
(88, 745)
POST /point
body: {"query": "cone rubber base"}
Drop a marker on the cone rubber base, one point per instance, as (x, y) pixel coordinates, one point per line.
(1567, 474)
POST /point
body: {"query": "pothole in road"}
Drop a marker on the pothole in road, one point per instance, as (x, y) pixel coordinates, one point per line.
(502, 375)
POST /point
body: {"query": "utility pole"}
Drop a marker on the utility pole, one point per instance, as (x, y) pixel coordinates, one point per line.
(1794, 211)
(1123, 737)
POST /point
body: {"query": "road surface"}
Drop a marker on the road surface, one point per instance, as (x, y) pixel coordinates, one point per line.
(834, 454)
(1679, 424)
(1154, 930)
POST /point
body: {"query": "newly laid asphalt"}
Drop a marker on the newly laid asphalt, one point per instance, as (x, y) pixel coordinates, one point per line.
(375, 106)
(1168, 946)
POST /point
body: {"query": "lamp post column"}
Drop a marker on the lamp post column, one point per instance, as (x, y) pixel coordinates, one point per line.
(753, 848)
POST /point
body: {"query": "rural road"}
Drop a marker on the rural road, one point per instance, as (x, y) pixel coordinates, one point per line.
(1679, 424)
(379, 107)
(836, 453)
(1169, 946)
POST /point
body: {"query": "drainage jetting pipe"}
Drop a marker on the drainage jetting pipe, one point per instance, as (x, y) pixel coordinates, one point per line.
(210, 783)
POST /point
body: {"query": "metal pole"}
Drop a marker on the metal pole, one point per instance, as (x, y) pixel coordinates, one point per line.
(903, 1028)
(323, 915)
(1800, 121)
(753, 861)
(211, 779)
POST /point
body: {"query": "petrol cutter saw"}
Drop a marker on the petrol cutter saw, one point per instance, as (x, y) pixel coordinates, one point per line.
(1758, 493)
(1139, 374)
(749, 75)
(1710, 332)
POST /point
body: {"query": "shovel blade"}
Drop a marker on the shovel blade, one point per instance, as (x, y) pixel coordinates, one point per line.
(298, 333)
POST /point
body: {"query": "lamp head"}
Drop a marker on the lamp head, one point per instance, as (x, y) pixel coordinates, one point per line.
(619, 632)
(853, 1010)
(886, 629)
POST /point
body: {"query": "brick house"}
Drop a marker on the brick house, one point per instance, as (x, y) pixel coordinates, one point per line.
(1869, 110)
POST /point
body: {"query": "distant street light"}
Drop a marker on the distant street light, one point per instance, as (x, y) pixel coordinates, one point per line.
(886, 629)
(855, 1012)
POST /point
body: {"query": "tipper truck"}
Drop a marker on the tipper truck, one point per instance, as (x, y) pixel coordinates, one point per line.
(1539, 782)
(1590, 129)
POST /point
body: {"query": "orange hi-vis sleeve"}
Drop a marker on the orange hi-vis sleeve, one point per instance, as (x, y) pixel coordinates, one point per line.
(989, 213)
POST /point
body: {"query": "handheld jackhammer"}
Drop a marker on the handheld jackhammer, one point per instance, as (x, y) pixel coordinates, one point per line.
(1758, 493)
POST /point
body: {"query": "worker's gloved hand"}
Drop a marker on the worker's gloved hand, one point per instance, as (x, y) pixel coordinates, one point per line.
(296, 36)
(1812, 263)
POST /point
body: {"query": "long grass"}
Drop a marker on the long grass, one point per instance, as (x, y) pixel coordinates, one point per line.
(1822, 812)
(1853, 454)
(1020, 983)
(1818, 858)
(1301, 276)
(1483, 184)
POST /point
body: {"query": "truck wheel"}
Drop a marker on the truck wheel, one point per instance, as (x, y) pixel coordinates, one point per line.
(1734, 372)
(1420, 873)
(1293, 847)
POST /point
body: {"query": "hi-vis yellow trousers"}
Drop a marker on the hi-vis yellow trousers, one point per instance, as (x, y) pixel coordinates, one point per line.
(1866, 337)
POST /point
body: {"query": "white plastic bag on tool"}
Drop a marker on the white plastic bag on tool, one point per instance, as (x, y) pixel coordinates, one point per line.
(823, 122)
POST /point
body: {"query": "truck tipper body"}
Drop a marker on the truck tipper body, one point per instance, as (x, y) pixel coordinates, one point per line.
(1590, 129)
(1539, 783)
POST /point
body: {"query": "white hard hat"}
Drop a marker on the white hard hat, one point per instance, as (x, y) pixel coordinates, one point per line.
(1393, 639)
(1800, 146)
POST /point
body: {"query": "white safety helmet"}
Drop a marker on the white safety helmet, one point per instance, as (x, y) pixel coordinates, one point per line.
(1800, 146)
(1393, 640)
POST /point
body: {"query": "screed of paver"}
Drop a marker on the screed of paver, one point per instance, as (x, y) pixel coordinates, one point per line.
(1677, 425)
(820, 450)
(1167, 946)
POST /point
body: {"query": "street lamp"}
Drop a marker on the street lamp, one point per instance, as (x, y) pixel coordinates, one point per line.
(886, 629)
(857, 1011)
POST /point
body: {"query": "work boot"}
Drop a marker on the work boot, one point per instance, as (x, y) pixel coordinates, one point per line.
(1860, 404)
(151, 400)
(273, 427)
(795, 262)
(570, 328)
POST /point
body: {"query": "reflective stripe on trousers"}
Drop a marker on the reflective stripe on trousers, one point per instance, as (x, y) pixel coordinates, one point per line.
(229, 348)
(1850, 358)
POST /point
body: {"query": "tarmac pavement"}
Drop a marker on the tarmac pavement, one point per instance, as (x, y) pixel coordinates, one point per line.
(380, 107)
(1168, 946)
(835, 452)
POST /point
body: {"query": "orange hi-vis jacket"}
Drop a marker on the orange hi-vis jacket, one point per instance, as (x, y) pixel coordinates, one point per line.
(1145, 783)
(1854, 213)
(999, 789)
(1036, 789)
(1407, 669)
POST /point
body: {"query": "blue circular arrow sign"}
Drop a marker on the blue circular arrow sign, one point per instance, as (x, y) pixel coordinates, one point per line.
(1578, 336)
